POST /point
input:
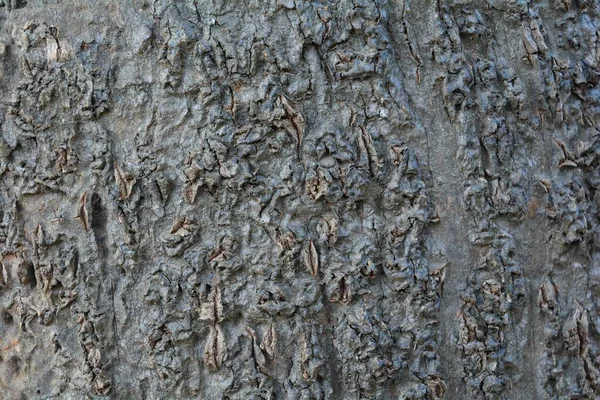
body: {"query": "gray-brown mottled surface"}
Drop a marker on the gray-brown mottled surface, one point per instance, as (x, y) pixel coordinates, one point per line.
(298, 199)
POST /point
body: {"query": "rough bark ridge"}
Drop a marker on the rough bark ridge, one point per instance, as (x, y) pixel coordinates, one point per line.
(294, 199)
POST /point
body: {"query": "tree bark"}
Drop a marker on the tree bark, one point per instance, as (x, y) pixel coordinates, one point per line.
(294, 199)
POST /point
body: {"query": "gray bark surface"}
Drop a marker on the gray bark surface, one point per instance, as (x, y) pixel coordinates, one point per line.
(298, 199)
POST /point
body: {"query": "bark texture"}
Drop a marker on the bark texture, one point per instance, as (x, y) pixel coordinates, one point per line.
(299, 199)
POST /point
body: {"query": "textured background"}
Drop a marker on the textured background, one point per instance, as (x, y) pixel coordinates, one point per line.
(298, 199)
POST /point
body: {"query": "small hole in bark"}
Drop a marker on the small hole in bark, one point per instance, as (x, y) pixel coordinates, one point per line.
(31, 275)
(7, 318)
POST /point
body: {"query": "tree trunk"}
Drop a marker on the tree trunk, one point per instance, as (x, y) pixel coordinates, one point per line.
(299, 199)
